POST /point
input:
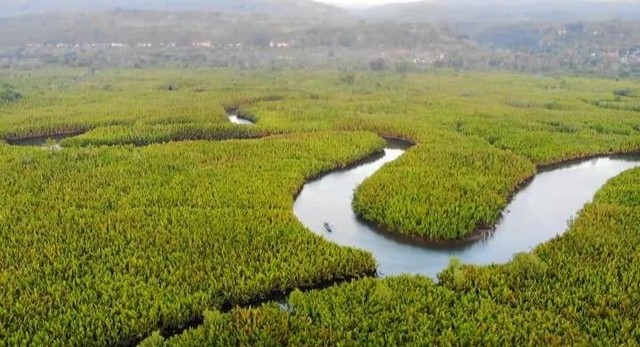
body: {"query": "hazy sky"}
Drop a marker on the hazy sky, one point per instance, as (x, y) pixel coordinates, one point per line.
(360, 2)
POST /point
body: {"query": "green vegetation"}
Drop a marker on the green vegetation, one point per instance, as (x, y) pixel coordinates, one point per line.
(626, 92)
(8, 95)
(580, 289)
(126, 240)
(144, 134)
(106, 244)
(626, 99)
(469, 181)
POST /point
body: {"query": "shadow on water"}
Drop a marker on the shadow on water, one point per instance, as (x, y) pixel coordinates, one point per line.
(53, 141)
(539, 212)
(49, 141)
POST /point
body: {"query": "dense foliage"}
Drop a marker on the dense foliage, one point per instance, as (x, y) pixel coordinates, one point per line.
(479, 137)
(8, 94)
(470, 182)
(102, 245)
(580, 289)
(105, 244)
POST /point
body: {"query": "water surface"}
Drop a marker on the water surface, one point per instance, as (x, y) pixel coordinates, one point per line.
(539, 212)
(47, 142)
(235, 119)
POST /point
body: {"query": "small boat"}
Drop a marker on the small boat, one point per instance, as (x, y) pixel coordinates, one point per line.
(328, 227)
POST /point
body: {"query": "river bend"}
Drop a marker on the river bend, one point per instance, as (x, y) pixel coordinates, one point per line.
(536, 214)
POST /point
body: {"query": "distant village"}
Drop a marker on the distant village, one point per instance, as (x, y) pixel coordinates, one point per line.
(630, 56)
(572, 47)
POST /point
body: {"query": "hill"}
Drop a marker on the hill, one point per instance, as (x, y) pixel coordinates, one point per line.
(496, 10)
(287, 8)
(185, 27)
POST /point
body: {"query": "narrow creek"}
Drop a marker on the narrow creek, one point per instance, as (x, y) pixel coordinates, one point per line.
(236, 119)
(47, 142)
(52, 142)
(536, 214)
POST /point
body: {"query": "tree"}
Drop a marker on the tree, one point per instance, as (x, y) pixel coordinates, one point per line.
(377, 64)
(8, 95)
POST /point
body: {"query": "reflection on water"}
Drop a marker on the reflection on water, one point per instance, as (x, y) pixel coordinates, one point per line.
(235, 119)
(536, 214)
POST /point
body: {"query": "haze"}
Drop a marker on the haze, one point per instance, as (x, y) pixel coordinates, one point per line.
(365, 3)
(360, 3)
(538, 36)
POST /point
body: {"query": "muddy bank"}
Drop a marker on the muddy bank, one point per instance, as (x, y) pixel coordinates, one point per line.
(42, 140)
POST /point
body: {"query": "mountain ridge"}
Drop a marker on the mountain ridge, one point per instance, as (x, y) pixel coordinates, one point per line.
(272, 7)
(499, 10)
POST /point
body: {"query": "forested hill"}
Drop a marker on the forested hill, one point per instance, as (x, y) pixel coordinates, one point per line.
(291, 8)
(496, 10)
(185, 28)
(580, 36)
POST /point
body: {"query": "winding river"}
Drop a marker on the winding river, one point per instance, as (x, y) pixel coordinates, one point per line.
(536, 214)
(539, 212)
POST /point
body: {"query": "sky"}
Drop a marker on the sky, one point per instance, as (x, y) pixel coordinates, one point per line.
(348, 3)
